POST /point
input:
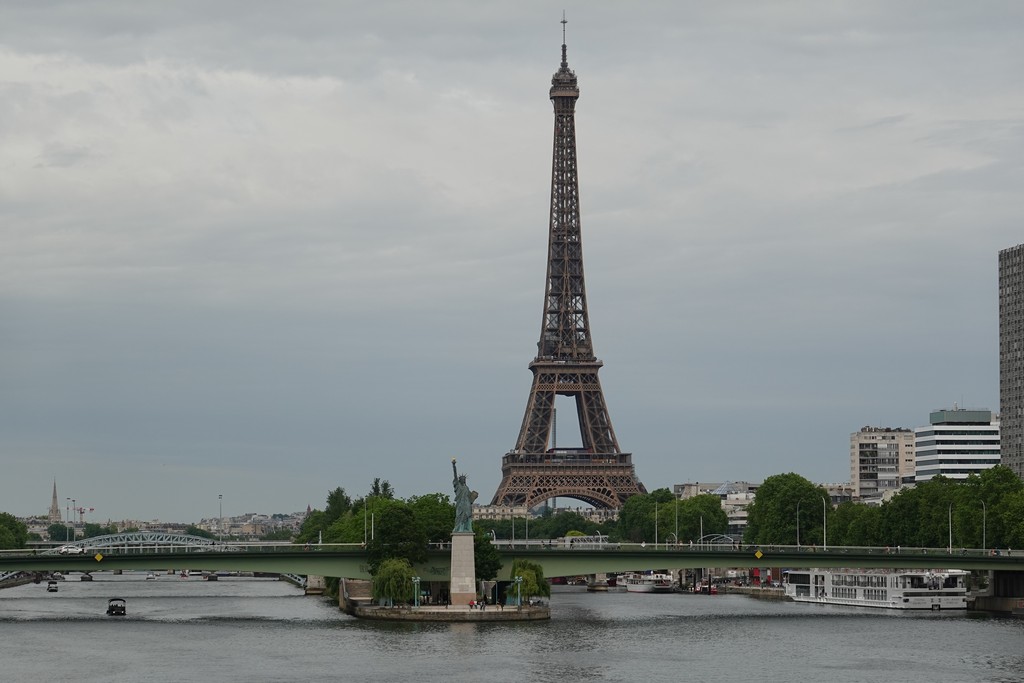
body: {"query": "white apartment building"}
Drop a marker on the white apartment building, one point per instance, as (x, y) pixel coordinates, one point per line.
(957, 442)
(880, 457)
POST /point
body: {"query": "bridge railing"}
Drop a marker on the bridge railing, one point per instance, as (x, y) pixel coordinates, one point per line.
(662, 547)
(166, 548)
(539, 545)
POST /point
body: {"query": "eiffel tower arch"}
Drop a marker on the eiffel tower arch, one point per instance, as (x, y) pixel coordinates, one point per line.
(598, 472)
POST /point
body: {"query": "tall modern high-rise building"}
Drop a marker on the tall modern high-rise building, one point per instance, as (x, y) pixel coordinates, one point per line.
(880, 459)
(1011, 357)
(958, 442)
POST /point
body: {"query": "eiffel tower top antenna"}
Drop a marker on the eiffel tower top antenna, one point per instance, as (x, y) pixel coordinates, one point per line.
(565, 61)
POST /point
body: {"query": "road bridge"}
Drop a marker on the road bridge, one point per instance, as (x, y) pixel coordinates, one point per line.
(146, 552)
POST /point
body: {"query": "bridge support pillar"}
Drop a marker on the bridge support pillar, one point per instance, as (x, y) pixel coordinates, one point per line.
(463, 577)
(315, 585)
(1005, 593)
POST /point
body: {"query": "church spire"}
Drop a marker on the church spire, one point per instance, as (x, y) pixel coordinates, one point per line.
(54, 515)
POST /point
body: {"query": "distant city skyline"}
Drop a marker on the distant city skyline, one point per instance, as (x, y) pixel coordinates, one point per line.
(261, 253)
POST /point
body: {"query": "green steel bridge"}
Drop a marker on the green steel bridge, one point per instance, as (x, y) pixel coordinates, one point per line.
(152, 552)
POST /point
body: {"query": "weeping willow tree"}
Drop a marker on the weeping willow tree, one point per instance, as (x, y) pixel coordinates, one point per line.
(533, 583)
(393, 581)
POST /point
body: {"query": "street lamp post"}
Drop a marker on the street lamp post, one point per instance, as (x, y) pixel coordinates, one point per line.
(949, 548)
(220, 513)
(824, 525)
(519, 592)
(798, 525)
(655, 525)
(416, 591)
(67, 533)
(74, 529)
(984, 513)
(675, 504)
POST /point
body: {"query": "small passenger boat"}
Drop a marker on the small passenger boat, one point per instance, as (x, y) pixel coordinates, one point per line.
(51, 586)
(116, 607)
(649, 583)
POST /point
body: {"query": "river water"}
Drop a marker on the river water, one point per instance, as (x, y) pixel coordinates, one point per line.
(260, 630)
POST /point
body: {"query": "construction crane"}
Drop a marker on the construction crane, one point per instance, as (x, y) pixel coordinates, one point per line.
(81, 510)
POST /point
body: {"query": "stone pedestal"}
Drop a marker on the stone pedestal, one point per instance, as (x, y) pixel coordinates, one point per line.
(315, 585)
(463, 580)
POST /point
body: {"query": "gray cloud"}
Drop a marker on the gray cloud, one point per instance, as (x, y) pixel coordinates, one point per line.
(261, 251)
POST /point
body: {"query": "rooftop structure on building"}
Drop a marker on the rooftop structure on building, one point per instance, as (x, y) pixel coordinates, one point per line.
(839, 493)
(1011, 358)
(956, 443)
(714, 488)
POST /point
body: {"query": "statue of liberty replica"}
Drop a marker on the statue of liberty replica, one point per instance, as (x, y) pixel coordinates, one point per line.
(463, 501)
(463, 575)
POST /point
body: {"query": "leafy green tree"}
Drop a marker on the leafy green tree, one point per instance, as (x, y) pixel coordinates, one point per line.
(533, 583)
(855, 524)
(382, 489)
(662, 495)
(393, 581)
(636, 519)
(772, 515)
(58, 532)
(698, 516)
(13, 533)
(311, 528)
(436, 514)
(918, 516)
(91, 530)
(398, 534)
(338, 504)
(979, 517)
(557, 525)
(486, 559)
(1012, 518)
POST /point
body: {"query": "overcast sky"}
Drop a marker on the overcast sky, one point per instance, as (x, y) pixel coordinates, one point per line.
(265, 249)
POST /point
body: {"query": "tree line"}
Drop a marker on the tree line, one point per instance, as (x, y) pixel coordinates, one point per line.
(985, 510)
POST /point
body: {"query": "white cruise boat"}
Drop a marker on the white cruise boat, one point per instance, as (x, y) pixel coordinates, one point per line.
(886, 588)
(647, 583)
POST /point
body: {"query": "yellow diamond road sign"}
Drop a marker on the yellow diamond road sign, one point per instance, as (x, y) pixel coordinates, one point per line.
(758, 554)
(98, 557)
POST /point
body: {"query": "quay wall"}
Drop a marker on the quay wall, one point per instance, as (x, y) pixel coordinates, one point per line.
(452, 614)
(758, 593)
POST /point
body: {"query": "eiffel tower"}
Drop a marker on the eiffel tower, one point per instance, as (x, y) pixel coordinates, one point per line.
(598, 473)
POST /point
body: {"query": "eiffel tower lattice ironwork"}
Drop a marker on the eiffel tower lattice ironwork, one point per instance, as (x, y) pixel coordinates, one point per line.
(598, 473)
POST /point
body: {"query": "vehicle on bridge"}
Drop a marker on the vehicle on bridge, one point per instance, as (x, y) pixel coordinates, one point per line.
(887, 588)
(116, 607)
(71, 550)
